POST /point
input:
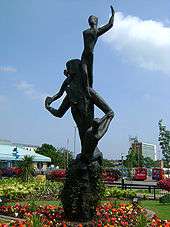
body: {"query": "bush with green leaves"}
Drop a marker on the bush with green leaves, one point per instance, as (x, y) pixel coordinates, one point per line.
(15, 189)
(27, 168)
(115, 192)
(165, 198)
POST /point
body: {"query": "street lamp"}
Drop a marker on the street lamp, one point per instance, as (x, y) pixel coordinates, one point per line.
(122, 171)
(74, 142)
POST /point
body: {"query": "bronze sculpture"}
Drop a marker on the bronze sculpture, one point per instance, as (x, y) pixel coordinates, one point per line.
(90, 37)
(81, 194)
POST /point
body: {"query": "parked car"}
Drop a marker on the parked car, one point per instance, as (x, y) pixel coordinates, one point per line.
(140, 174)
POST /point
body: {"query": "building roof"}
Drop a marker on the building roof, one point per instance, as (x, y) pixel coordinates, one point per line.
(6, 154)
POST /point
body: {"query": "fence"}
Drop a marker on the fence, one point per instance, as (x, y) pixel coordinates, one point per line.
(153, 191)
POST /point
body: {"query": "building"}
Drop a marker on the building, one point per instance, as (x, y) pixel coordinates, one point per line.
(146, 149)
(149, 150)
(10, 153)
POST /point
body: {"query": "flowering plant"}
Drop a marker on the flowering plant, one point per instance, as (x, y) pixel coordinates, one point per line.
(164, 184)
(106, 215)
(56, 174)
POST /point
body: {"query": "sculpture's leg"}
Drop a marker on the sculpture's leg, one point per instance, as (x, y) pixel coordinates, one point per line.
(81, 121)
(87, 65)
(65, 105)
(83, 115)
(100, 102)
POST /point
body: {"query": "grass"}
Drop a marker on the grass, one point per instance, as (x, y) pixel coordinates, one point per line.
(161, 210)
(146, 191)
(58, 202)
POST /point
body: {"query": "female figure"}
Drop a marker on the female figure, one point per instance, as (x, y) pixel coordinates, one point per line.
(82, 107)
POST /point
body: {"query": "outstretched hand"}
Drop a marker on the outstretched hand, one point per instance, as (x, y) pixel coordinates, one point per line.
(48, 101)
(112, 10)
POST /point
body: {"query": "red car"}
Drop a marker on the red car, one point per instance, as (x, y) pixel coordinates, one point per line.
(158, 174)
(140, 174)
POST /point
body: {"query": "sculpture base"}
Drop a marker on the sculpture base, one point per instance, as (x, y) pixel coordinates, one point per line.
(81, 192)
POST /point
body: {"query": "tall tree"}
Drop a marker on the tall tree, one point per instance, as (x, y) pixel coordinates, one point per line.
(164, 140)
(59, 156)
(134, 159)
(149, 162)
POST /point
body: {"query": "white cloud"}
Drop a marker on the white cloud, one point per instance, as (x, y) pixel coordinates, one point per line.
(145, 43)
(30, 90)
(7, 69)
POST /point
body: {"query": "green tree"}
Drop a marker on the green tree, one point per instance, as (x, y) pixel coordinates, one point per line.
(59, 157)
(27, 167)
(164, 140)
(149, 162)
(134, 159)
(107, 163)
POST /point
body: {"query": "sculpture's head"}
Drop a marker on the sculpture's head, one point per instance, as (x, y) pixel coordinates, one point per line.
(93, 21)
(96, 124)
(73, 66)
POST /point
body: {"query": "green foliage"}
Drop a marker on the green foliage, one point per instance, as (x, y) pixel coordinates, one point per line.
(101, 188)
(164, 140)
(60, 157)
(133, 159)
(107, 163)
(15, 189)
(142, 221)
(148, 162)
(115, 192)
(36, 221)
(165, 199)
(161, 210)
(33, 205)
(27, 168)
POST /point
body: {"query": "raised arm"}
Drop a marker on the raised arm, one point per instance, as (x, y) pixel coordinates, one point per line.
(62, 89)
(109, 25)
(65, 105)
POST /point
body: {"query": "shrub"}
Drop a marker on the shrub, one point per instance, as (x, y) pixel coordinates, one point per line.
(27, 168)
(14, 189)
(165, 199)
(164, 184)
(119, 193)
(11, 171)
(111, 175)
(56, 174)
(40, 178)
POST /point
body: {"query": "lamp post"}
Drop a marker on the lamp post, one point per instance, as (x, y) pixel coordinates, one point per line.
(67, 147)
(74, 142)
(122, 171)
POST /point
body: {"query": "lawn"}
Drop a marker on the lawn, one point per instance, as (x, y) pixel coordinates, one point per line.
(162, 210)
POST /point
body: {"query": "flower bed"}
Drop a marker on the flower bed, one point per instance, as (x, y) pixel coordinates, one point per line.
(164, 184)
(59, 174)
(106, 215)
(115, 192)
(13, 189)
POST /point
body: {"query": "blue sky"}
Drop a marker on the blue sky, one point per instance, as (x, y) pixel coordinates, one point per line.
(131, 68)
